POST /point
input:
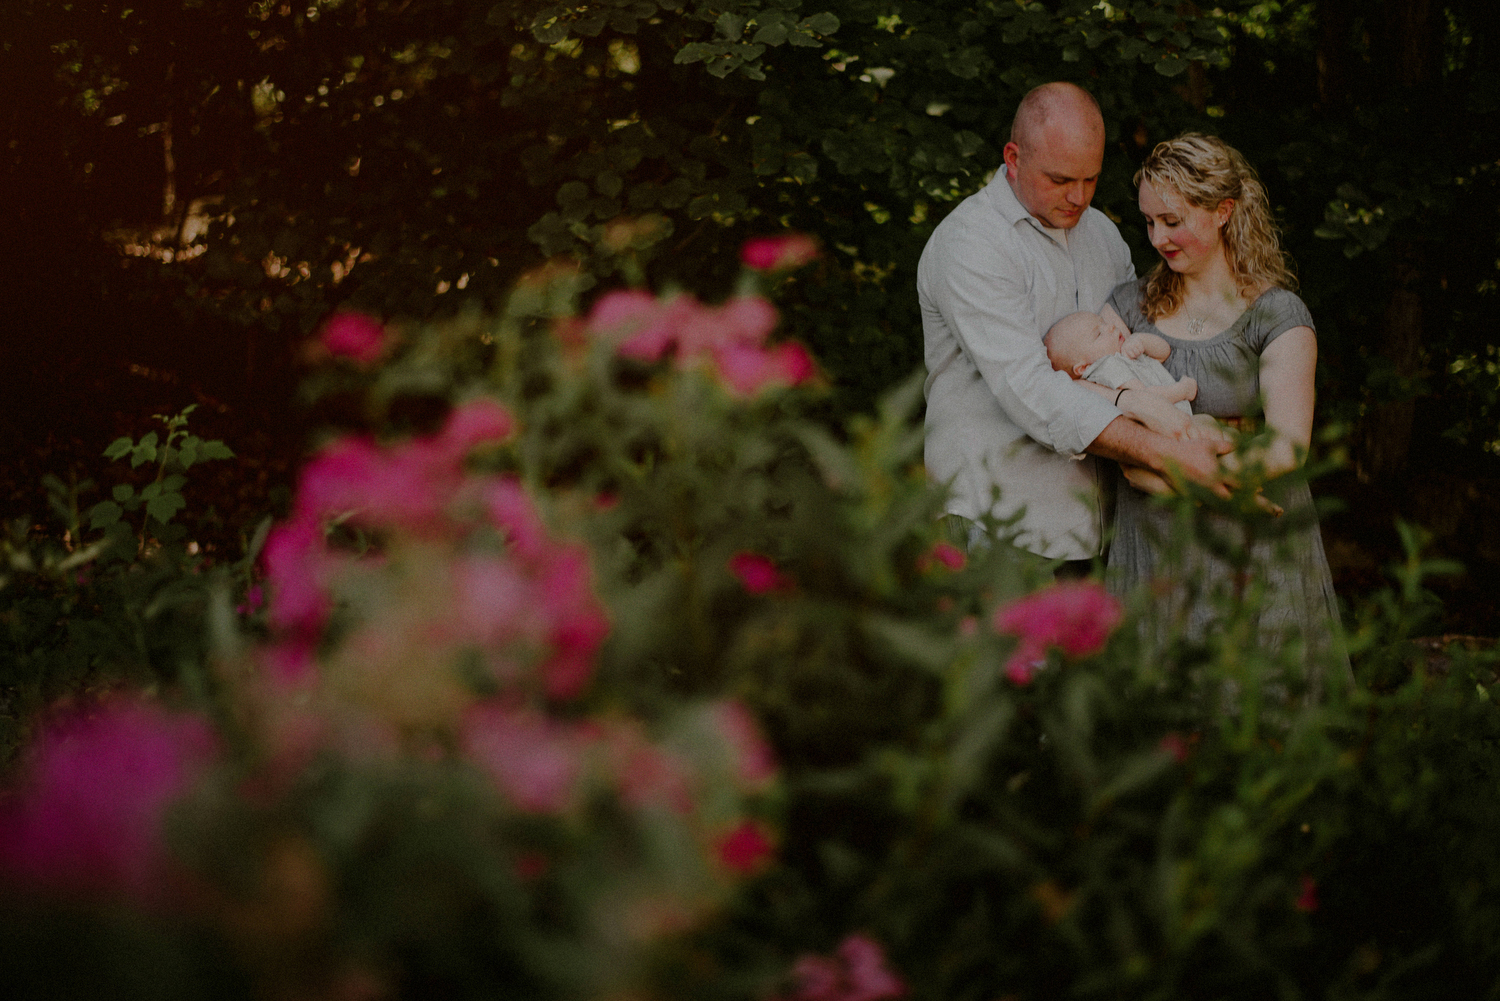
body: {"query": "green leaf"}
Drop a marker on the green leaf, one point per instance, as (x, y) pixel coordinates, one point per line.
(188, 453)
(771, 34)
(104, 514)
(151, 491)
(163, 507)
(1171, 66)
(118, 448)
(214, 450)
(824, 23)
(144, 451)
(802, 166)
(173, 482)
(123, 492)
(731, 26)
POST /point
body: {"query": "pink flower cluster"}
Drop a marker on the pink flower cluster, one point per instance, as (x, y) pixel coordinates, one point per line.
(348, 334)
(1076, 617)
(537, 594)
(544, 765)
(778, 253)
(94, 794)
(857, 972)
(757, 573)
(730, 340)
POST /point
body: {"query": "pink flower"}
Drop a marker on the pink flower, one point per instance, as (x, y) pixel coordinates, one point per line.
(857, 973)
(643, 327)
(96, 788)
(295, 563)
(354, 335)
(254, 599)
(1307, 897)
(748, 369)
(777, 253)
(757, 573)
(647, 775)
(744, 320)
(743, 849)
(578, 624)
(945, 553)
(291, 661)
(490, 595)
(1076, 617)
(1175, 745)
(511, 509)
(754, 764)
(535, 761)
(477, 422)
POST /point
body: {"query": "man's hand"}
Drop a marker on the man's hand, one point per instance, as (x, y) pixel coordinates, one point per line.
(1197, 459)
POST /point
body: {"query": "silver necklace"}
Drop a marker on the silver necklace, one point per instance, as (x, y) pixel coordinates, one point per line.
(1196, 324)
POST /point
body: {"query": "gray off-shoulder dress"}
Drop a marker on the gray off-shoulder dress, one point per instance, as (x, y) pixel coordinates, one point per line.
(1286, 562)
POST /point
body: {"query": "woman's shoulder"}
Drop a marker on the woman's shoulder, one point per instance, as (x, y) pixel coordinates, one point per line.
(1280, 309)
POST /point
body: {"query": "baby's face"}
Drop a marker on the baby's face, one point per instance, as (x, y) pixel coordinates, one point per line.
(1086, 338)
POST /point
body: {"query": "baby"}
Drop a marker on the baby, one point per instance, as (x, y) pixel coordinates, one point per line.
(1085, 346)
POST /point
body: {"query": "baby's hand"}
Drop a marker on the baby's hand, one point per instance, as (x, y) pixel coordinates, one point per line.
(1134, 347)
(1189, 387)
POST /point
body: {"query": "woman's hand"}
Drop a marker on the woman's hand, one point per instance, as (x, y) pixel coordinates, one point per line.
(1145, 480)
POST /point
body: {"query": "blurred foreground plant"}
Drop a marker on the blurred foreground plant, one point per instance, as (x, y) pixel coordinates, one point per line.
(592, 665)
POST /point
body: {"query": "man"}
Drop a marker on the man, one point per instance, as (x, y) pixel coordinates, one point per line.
(1005, 265)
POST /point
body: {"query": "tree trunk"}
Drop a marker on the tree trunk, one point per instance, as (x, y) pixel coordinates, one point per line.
(1384, 440)
(1408, 37)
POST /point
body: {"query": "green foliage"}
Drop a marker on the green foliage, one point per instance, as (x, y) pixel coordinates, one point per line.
(1174, 816)
(162, 497)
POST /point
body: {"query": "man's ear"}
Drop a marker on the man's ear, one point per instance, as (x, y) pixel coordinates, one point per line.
(1011, 153)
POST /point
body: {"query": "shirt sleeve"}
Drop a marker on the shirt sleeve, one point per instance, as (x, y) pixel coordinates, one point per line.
(1274, 314)
(981, 292)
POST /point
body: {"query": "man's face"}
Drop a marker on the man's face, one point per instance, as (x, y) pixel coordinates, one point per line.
(1055, 173)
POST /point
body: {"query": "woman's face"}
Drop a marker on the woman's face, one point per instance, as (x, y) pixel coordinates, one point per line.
(1186, 236)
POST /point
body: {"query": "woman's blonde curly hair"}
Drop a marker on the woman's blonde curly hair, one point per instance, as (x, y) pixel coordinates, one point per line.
(1205, 170)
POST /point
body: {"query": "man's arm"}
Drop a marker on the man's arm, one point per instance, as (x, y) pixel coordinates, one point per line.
(980, 290)
(1197, 459)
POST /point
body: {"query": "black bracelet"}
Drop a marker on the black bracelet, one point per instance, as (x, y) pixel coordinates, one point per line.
(1120, 394)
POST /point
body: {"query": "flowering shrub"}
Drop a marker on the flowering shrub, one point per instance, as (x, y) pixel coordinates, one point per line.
(621, 674)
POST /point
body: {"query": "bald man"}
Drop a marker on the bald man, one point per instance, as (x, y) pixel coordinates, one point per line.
(1010, 436)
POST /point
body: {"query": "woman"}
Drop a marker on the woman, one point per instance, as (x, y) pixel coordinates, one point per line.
(1222, 298)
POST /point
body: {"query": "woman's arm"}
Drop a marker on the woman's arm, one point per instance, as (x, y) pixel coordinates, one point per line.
(1287, 367)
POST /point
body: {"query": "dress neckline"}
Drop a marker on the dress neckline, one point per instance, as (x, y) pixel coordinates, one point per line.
(1238, 322)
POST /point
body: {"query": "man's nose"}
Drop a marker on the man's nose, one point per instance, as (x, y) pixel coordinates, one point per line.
(1077, 194)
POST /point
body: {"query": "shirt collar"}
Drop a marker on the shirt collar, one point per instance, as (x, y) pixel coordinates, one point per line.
(1003, 199)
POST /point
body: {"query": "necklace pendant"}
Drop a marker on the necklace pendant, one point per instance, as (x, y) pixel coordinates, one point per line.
(1196, 325)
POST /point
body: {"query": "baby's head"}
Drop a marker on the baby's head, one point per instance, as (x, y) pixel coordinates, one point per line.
(1078, 340)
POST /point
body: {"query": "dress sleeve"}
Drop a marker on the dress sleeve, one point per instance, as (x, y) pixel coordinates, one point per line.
(1126, 300)
(1273, 314)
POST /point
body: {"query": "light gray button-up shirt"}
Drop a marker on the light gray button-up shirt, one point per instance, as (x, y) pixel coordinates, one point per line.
(991, 281)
